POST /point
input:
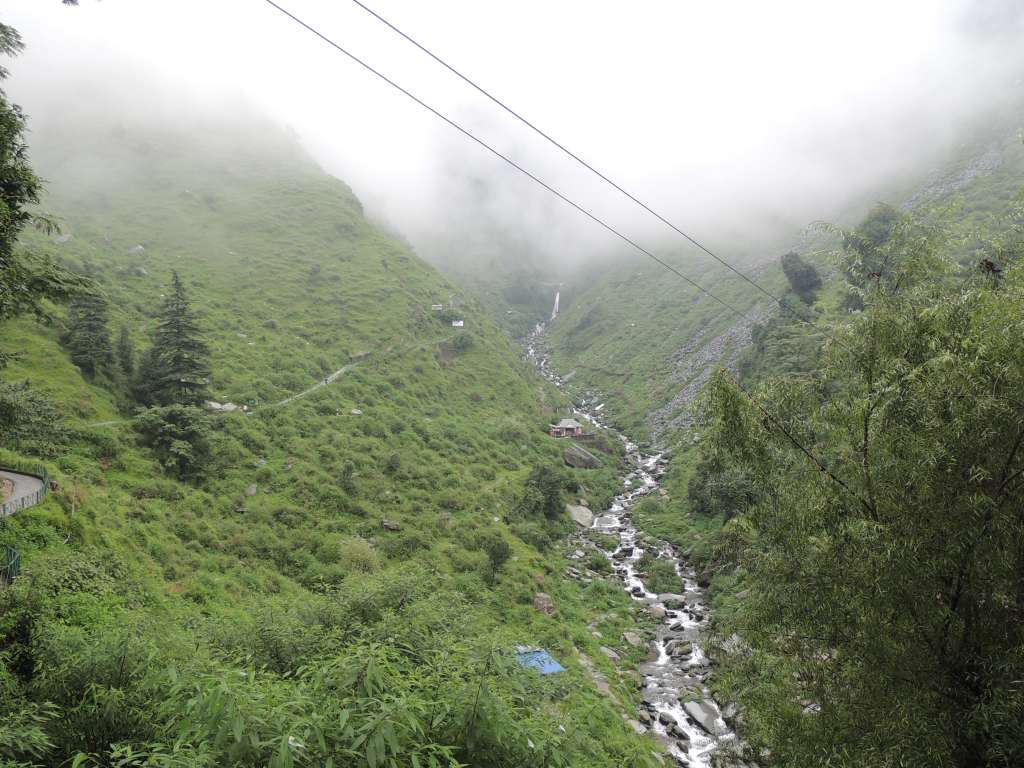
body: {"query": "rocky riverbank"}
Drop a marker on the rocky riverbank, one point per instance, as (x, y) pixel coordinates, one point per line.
(676, 704)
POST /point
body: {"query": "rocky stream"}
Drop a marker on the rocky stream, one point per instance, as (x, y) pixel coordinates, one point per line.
(676, 703)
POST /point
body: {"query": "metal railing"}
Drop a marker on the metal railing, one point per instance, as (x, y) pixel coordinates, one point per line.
(8, 508)
(10, 565)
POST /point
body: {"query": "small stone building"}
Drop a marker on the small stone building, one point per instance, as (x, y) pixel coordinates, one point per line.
(566, 428)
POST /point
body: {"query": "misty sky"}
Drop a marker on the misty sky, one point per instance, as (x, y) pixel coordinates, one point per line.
(715, 113)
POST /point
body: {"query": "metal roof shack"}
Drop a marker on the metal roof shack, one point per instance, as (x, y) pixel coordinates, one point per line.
(566, 428)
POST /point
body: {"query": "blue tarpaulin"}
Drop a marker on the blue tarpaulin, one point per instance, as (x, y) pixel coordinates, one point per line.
(539, 660)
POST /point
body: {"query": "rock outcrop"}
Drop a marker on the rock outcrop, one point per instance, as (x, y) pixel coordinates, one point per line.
(580, 458)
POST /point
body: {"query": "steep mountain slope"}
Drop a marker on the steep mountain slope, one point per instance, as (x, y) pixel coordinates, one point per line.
(648, 341)
(351, 573)
(640, 335)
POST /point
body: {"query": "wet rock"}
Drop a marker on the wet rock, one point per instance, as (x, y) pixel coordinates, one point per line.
(666, 718)
(644, 716)
(390, 525)
(542, 602)
(653, 652)
(582, 516)
(623, 554)
(679, 648)
(705, 713)
(672, 600)
(676, 730)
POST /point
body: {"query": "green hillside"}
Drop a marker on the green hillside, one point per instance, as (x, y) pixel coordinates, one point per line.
(345, 580)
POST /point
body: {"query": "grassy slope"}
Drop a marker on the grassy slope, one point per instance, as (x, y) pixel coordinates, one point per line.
(291, 283)
(620, 336)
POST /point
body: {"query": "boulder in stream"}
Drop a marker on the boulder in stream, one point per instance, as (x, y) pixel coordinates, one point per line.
(672, 600)
(705, 713)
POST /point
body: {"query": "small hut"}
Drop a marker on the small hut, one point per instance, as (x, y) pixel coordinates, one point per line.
(566, 428)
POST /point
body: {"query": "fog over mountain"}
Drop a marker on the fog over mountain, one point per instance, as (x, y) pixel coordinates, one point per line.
(727, 117)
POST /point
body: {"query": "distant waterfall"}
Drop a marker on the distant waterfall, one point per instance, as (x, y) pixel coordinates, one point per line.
(554, 310)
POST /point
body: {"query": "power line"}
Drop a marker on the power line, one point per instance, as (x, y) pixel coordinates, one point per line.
(806, 451)
(508, 160)
(572, 154)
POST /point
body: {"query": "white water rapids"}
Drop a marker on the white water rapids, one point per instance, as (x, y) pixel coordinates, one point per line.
(677, 705)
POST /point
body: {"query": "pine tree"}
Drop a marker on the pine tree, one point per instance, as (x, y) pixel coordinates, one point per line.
(88, 338)
(126, 353)
(175, 370)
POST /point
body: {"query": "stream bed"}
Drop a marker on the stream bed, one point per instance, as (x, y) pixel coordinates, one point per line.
(676, 703)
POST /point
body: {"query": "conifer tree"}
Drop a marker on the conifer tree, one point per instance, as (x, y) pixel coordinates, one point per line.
(88, 338)
(125, 353)
(175, 370)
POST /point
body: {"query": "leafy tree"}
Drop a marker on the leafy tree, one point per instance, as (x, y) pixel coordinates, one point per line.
(542, 494)
(497, 549)
(871, 249)
(179, 436)
(26, 279)
(125, 353)
(176, 369)
(885, 551)
(87, 337)
(803, 277)
(29, 421)
(718, 488)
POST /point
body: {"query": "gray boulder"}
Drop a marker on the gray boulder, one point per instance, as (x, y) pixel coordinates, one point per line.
(580, 458)
(582, 516)
(705, 713)
(672, 601)
(543, 603)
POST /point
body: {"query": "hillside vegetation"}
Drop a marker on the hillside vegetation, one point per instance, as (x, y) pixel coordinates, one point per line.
(343, 577)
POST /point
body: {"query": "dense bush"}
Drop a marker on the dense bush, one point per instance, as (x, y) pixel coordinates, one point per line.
(179, 435)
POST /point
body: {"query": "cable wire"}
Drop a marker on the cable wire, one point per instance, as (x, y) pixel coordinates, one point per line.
(820, 465)
(573, 155)
(508, 160)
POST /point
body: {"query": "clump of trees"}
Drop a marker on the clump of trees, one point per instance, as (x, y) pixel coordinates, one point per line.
(882, 538)
(542, 493)
(803, 277)
(87, 337)
(173, 379)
